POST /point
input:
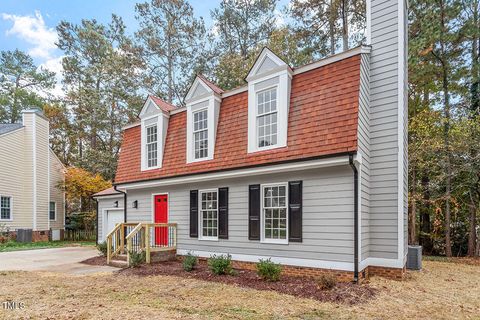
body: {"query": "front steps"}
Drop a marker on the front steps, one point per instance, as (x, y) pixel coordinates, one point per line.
(120, 260)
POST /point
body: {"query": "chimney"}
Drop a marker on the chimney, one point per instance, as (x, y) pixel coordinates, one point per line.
(37, 158)
(387, 35)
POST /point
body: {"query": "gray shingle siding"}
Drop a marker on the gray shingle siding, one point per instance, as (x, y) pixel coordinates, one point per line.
(327, 215)
(384, 132)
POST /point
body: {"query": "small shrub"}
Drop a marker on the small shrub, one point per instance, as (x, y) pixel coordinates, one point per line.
(326, 282)
(221, 264)
(269, 270)
(189, 262)
(102, 248)
(136, 258)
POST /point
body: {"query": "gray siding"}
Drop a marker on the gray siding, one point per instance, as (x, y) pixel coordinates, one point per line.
(364, 150)
(327, 215)
(105, 203)
(384, 133)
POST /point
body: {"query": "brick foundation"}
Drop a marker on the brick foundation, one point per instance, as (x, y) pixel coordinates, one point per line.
(390, 273)
(342, 276)
(40, 236)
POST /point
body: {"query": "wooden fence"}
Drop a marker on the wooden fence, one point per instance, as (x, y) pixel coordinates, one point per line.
(80, 235)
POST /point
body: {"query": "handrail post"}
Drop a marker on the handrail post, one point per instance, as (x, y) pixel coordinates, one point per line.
(109, 249)
(129, 249)
(175, 236)
(147, 243)
(122, 238)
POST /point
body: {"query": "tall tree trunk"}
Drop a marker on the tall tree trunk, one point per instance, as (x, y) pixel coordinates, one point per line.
(344, 7)
(448, 165)
(413, 211)
(472, 235)
(425, 223)
(331, 26)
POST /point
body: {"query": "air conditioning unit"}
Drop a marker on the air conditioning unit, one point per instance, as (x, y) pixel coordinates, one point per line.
(24, 235)
(414, 258)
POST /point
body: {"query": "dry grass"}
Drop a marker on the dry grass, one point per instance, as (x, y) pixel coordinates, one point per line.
(441, 291)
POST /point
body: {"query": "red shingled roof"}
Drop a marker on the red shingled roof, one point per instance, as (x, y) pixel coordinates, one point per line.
(165, 106)
(211, 85)
(323, 119)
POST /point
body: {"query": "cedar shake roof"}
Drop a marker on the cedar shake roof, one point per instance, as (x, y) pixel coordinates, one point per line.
(165, 106)
(322, 121)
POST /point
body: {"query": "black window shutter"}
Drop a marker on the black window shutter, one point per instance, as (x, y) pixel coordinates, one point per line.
(194, 213)
(223, 213)
(295, 211)
(254, 212)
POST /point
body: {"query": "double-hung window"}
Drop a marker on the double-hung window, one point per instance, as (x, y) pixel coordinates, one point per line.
(267, 118)
(152, 147)
(52, 211)
(275, 213)
(5, 208)
(200, 134)
(209, 214)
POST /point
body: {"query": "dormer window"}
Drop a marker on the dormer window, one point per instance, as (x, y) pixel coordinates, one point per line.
(267, 118)
(200, 134)
(154, 118)
(269, 83)
(152, 150)
(203, 108)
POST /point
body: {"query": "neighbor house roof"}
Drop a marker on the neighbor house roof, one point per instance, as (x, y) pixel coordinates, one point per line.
(322, 121)
(7, 127)
(107, 192)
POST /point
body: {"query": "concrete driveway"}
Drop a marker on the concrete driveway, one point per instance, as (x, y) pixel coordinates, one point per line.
(63, 260)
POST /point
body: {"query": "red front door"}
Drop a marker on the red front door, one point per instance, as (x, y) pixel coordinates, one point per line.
(161, 216)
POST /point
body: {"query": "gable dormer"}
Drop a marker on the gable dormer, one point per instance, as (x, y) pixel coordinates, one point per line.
(154, 124)
(203, 108)
(269, 83)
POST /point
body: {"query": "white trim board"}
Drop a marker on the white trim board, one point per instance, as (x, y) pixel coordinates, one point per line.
(310, 263)
(294, 166)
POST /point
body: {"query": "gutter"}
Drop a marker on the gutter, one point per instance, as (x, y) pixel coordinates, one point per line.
(124, 203)
(96, 235)
(355, 218)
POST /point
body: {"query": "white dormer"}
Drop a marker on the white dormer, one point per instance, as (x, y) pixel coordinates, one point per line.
(203, 108)
(154, 124)
(269, 83)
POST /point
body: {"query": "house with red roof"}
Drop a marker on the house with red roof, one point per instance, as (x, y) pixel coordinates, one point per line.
(305, 166)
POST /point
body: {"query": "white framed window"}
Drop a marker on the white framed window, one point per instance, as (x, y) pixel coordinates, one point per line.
(200, 134)
(5, 208)
(208, 214)
(275, 213)
(267, 118)
(152, 146)
(52, 211)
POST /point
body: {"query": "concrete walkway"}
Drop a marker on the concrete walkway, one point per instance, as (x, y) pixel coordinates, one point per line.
(63, 260)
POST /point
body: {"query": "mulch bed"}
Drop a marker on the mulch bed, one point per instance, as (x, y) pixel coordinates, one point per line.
(96, 261)
(304, 287)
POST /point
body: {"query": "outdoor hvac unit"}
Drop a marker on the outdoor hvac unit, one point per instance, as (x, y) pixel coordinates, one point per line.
(414, 258)
(55, 235)
(24, 235)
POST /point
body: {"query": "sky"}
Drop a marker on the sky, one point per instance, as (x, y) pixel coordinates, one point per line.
(29, 25)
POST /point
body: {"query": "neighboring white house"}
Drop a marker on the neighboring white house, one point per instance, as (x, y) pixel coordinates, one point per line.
(29, 175)
(306, 166)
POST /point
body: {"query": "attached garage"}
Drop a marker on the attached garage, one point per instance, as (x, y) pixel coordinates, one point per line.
(109, 211)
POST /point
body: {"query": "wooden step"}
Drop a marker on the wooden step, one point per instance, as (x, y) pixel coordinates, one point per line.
(121, 256)
(118, 263)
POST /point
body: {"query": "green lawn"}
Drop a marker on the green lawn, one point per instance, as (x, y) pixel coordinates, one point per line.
(15, 246)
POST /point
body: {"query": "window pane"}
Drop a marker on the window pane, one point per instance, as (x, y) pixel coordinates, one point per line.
(275, 212)
(200, 134)
(209, 213)
(267, 118)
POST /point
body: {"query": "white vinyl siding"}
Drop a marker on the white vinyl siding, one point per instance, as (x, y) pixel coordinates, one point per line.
(274, 213)
(152, 151)
(5, 208)
(52, 211)
(200, 134)
(209, 214)
(267, 118)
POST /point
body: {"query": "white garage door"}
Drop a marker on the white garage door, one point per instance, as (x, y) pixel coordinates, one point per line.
(113, 217)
